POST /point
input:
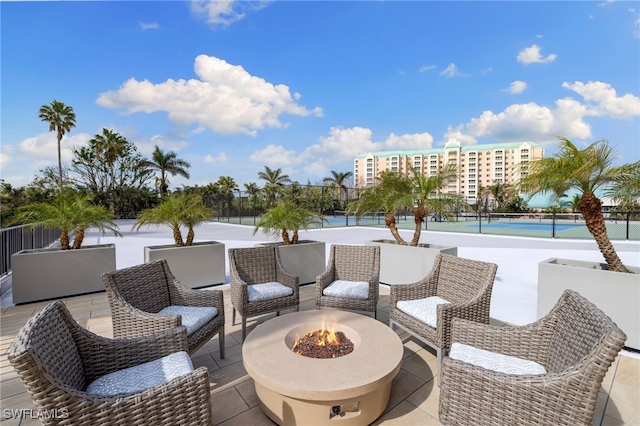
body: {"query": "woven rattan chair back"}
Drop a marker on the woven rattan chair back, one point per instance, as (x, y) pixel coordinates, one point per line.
(255, 265)
(355, 263)
(580, 330)
(458, 278)
(143, 286)
(47, 340)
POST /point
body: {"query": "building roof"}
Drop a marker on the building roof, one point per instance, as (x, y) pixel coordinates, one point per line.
(464, 148)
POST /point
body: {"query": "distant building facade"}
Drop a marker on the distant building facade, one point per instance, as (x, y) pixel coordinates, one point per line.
(478, 165)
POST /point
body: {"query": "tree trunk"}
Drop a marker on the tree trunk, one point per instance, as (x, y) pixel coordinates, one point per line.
(64, 240)
(390, 221)
(177, 237)
(418, 219)
(60, 163)
(190, 236)
(77, 239)
(285, 237)
(591, 209)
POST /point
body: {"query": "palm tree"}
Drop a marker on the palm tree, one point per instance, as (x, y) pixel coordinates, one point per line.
(71, 213)
(173, 211)
(574, 203)
(339, 179)
(61, 119)
(284, 218)
(426, 192)
(585, 170)
(396, 192)
(392, 193)
(166, 163)
(227, 185)
(111, 145)
(275, 181)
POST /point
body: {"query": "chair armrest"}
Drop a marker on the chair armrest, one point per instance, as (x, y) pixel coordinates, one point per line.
(129, 321)
(185, 296)
(286, 278)
(374, 287)
(532, 341)
(489, 397)
(101, 355)
(426, 287)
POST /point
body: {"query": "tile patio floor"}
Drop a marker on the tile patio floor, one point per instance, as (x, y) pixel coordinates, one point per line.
(414, 395)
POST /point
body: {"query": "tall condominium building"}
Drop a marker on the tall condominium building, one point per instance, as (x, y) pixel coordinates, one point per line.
(478, 165)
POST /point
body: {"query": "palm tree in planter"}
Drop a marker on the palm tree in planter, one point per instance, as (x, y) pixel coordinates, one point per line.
(586, 171)
(396, 192)
(402, 262)
(195, 264)
(71, 213)
(285, 220)
(306, 259)
(40, 274)
(174, 211)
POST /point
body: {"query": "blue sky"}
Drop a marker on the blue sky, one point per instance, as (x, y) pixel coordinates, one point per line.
(305, 86)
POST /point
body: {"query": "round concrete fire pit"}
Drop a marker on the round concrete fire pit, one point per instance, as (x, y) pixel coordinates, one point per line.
(348, 390)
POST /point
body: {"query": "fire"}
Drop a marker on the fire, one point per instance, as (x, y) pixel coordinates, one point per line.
(323, 343)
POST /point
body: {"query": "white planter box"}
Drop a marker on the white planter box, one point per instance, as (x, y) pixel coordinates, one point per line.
(407, 264)
(199, 265)
(307, 259)
(51, 273)
(617, 294)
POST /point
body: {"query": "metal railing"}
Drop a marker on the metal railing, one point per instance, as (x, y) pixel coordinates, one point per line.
(23, 237)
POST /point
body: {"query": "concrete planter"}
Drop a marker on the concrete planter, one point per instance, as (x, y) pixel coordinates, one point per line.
(617, 294)
(407, 264)
(199, 265)
(51, 273)
(307, 259)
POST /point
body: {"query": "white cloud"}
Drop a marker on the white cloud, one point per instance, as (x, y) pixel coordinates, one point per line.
(425, 68)
(226, 99)
(485, 71)
(604, 101)
(531, 55)
(274, 156)
(21, 162)
(450, 71)
(149, 25)
(340, 146)
(166, 143)
(530, 121)
(225, 12)
(516, 87)
(220, 158)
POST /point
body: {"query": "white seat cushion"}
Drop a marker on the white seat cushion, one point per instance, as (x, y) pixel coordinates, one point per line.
(193, 317)
(424, 310)
(494, 361)
(347, 289)
(267, 291)
(143, 376)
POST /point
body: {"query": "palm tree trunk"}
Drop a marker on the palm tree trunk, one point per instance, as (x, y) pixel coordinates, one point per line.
(294, 240)
(418, 219)
(285, 237)
(177, 237)
(591, 209)
(60, 162)
(64, 240)
(190, 236)
(390, 221)
(77, 239)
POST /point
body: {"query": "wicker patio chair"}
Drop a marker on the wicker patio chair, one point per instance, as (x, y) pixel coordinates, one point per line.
(138, 293)
(466, 284)
(575, 343)
(352, 279)
(260, 284)
(58, 361)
